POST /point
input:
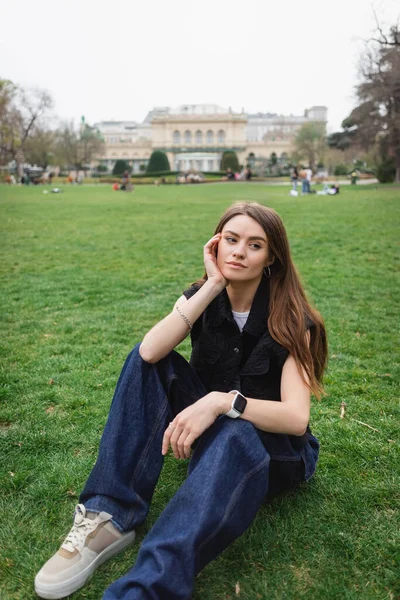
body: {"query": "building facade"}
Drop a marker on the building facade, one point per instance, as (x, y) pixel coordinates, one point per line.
(194, 137)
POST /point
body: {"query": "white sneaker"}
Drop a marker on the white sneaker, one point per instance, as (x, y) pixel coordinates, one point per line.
(92, 540)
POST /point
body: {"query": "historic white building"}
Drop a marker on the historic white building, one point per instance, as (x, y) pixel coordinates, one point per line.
(194, 136)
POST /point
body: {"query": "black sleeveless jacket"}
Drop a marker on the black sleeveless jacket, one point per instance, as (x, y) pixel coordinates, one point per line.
(222, 356)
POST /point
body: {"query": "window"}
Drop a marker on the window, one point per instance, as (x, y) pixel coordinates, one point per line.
(177, 137)
(199, 137)
(188, 137)
(210, 137)
(221, 136)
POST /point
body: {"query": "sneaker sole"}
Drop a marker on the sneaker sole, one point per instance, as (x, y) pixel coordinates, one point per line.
(55, 591)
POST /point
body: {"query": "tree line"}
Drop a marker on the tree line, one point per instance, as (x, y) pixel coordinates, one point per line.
(28, 134)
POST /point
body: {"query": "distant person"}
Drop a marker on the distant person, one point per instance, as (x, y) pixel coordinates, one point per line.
(303, 177)
(309, 175)
(294, 177)
(248, 174)
(125, 181)
(354, 177)
(229, 175)
(334, 189)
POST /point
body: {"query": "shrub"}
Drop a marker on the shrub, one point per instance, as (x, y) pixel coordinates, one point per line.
(340, 170)
(229, 160)
(155, 174)
(121, 166)
(102, 168)
(386, 171)
(158, 162)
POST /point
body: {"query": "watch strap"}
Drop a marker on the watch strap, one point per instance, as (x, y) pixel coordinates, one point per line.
(233, 413)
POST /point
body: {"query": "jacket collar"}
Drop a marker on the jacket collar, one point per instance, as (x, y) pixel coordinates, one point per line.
(220, 310)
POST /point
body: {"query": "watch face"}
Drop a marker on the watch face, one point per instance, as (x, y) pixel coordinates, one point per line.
(240, 403)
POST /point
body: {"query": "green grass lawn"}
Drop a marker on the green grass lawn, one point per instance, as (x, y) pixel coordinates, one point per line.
(86, 273)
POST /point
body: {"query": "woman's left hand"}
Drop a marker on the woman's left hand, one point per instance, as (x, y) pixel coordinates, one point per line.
(189, 424)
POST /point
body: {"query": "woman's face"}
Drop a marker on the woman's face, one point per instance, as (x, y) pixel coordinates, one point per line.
(243, 250)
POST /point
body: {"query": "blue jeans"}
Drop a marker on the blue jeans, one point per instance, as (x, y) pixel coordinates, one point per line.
(231, 472)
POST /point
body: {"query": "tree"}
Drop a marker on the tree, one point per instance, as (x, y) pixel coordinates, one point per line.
(90, 144)
(20, 112)
(158, 162)
(310, 142)
(374, 124)
(77, 149)
(379, 93)
(40, 147)
(7, 97)
(229, 161)
(341, 140)
(121, 166)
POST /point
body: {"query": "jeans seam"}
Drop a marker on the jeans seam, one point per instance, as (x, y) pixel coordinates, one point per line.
(145, 452)
(232, 501)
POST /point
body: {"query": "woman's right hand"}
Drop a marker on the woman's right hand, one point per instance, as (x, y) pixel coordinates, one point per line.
(210, 261)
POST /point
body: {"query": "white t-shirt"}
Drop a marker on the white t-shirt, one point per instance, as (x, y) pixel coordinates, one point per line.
(240, 318)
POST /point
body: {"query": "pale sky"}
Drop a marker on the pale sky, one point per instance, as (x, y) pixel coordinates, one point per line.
(118, 60)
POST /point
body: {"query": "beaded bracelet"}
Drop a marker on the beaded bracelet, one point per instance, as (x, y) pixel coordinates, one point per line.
(184, 317)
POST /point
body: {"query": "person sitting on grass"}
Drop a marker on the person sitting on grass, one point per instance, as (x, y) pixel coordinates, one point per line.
(242, 405)
(125, 181)
(229, 175)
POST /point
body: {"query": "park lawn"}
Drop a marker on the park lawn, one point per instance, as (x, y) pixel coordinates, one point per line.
(85, 273)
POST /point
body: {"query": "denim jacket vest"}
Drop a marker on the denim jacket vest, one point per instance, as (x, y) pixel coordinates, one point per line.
(218, 349)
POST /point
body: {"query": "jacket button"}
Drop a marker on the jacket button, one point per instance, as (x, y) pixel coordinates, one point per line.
(236, 350)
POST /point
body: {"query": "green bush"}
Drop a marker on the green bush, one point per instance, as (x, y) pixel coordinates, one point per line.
(155, 174)
(102, 168)
(340, 170)
(386, 171)
(158, 163)
(229, 161)
(121, 166)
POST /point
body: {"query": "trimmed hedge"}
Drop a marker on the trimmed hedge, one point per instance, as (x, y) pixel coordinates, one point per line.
(120, 166)
(158, 162)
(229, 161)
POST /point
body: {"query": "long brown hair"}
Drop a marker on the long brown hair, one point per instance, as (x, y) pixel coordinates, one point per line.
(289, 309)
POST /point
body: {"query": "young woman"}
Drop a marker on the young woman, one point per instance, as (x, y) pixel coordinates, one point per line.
(242, 407)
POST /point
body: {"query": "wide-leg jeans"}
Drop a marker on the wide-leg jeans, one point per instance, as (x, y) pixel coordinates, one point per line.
(228, 479)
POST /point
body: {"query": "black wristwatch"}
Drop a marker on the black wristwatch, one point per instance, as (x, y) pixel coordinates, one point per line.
(239, 403)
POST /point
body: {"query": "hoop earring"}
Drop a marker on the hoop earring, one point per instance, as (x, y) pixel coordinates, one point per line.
(269, 272)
